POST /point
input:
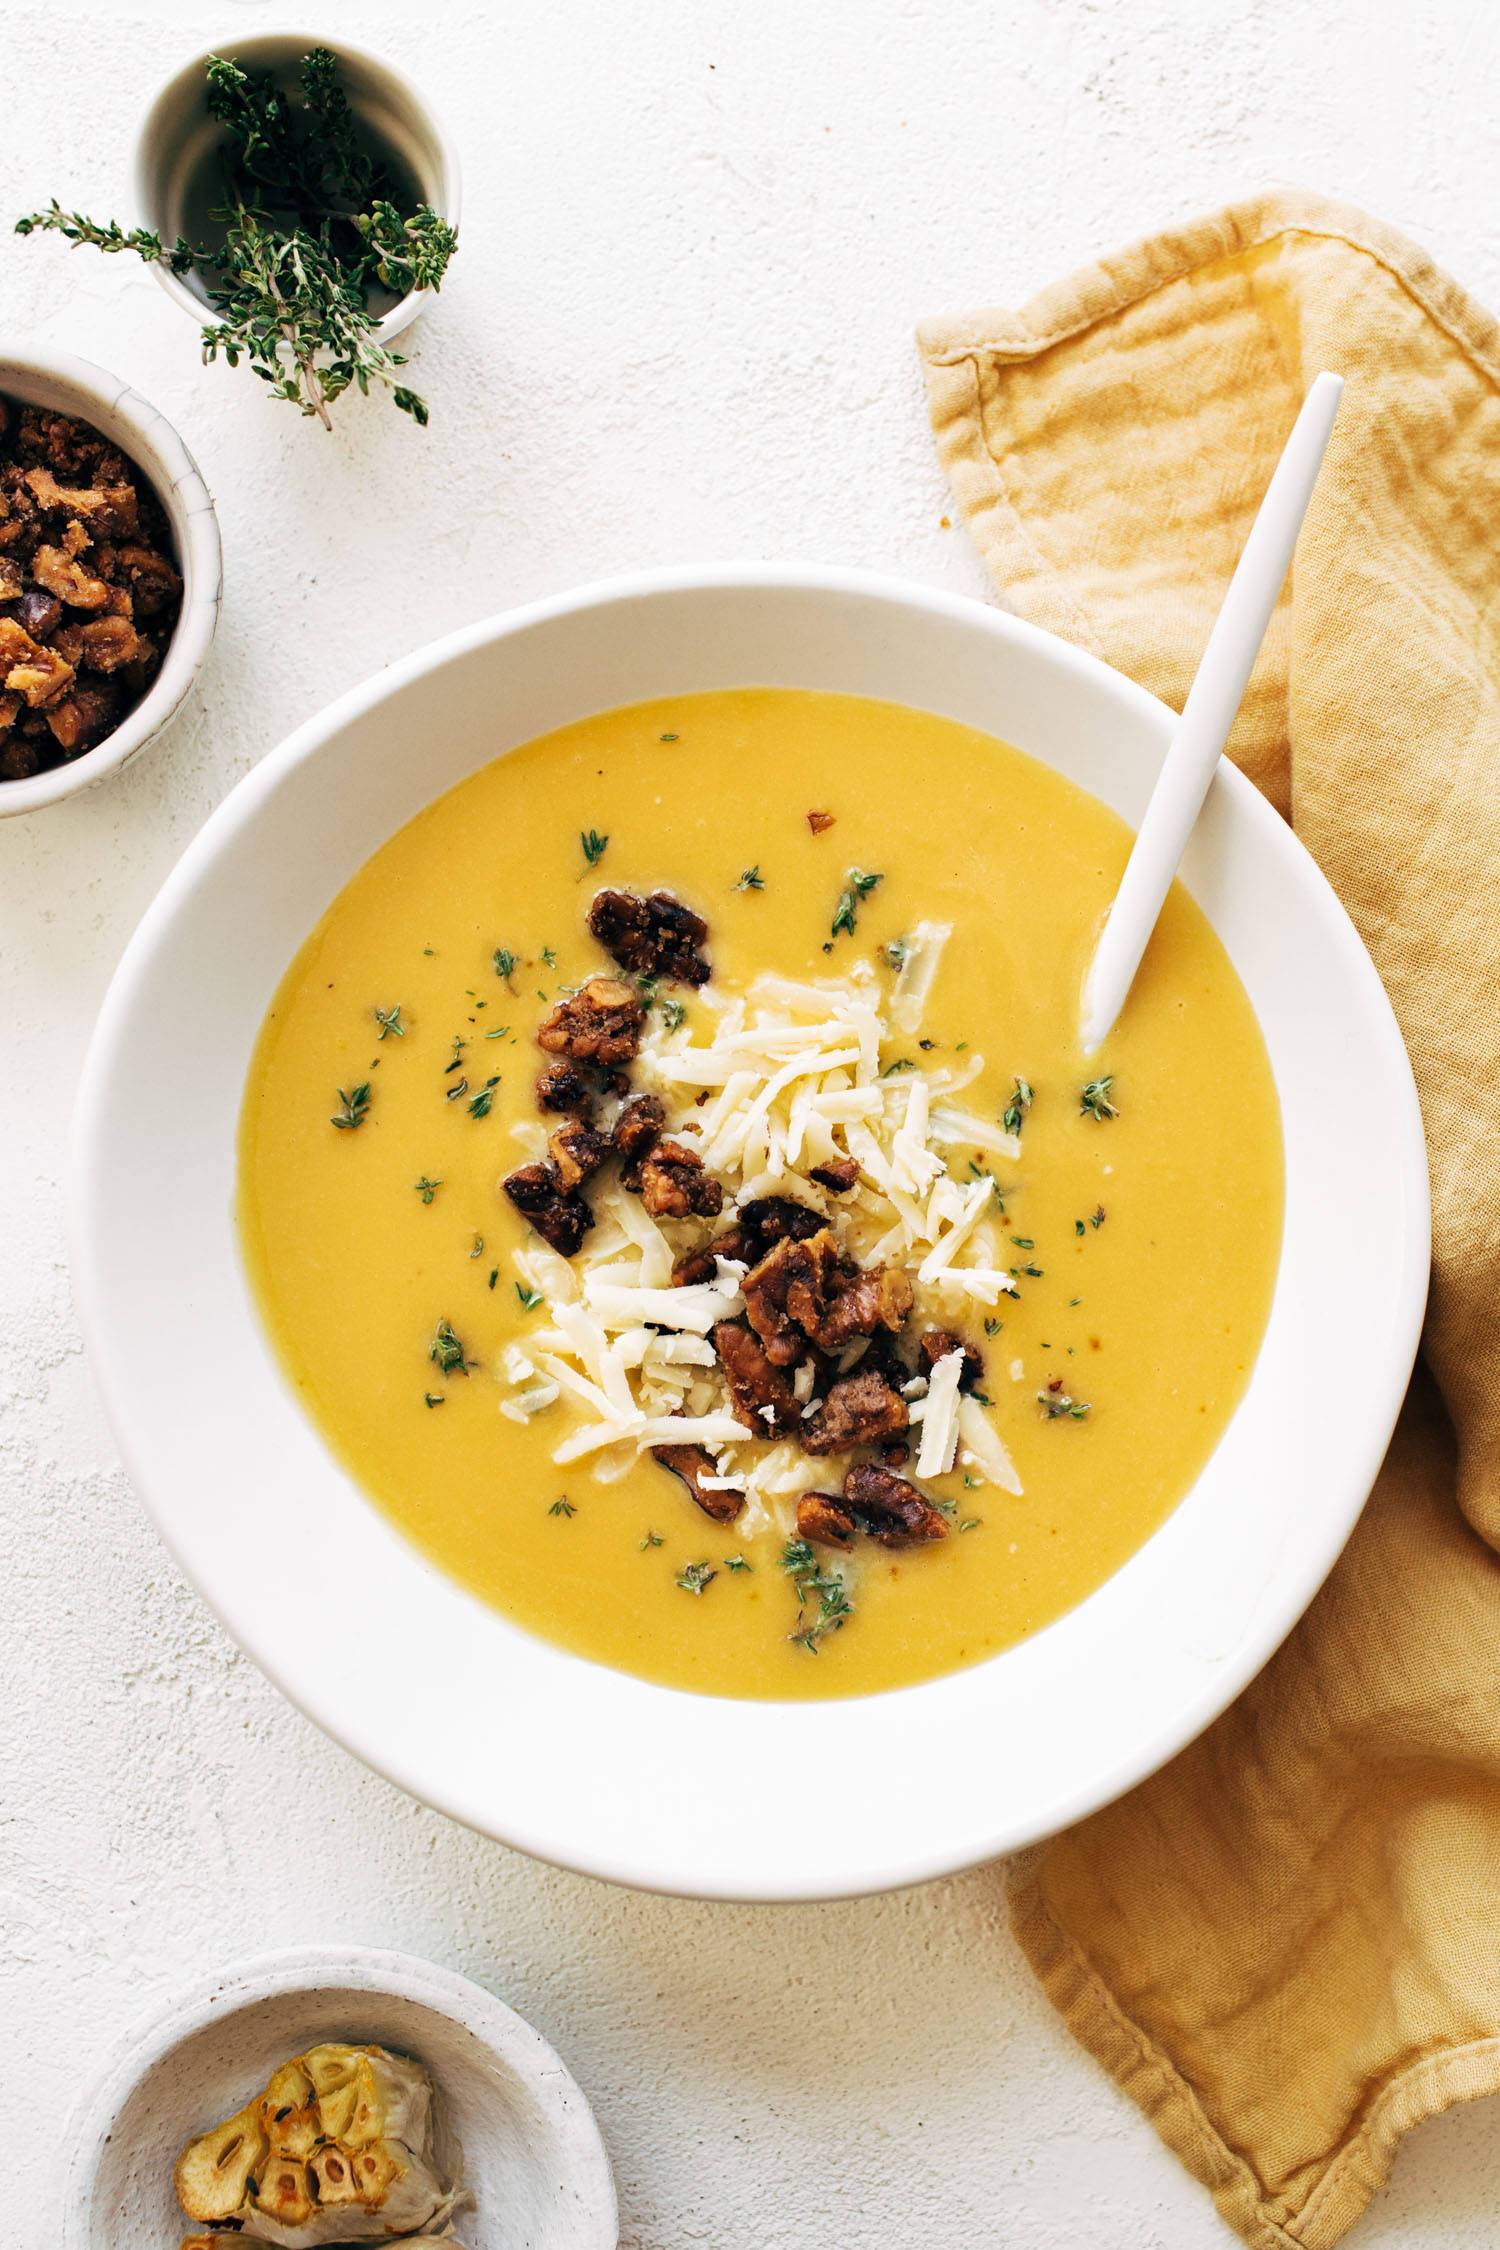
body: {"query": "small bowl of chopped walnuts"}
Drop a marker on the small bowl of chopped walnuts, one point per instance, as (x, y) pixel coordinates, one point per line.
(110, 576)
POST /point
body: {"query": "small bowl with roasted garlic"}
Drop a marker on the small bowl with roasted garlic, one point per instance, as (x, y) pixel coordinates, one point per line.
(336, 2096)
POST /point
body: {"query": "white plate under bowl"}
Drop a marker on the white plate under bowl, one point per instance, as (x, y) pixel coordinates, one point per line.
(589, 1767)
(532, 2156)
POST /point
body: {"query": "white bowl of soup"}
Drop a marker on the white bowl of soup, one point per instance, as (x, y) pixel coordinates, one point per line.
(1018, 1403)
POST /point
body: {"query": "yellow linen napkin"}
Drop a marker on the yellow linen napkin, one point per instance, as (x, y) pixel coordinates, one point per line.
(1286, 1946)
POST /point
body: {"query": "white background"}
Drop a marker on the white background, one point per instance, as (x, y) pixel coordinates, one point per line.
(696, 239)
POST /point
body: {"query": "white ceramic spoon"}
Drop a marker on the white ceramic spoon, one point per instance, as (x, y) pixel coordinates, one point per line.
(1213, 699)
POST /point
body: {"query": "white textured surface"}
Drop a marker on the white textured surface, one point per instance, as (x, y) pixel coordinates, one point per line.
(696, 239)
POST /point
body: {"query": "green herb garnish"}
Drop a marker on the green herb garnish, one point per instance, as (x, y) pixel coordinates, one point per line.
(673, 1014)
(652, 1539)
(895, 951)
(593, 846)
(505, 963)
(529, 1298)
(354, 1108)
(1015, 1109)
(446, 1352)
(1094, 1101)
(426, 1188)
(1055, 1404)
(736, 1563)
(389, 1020)
(696, 1577)
(860, 886)
(433, 1398)
(307, 236)
(834, 1608)
(750, 880)
(1098, 1218)
(562, 1507)
(482, 1101)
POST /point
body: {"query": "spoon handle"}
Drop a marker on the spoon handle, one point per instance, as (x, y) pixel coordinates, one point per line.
(1213, 699)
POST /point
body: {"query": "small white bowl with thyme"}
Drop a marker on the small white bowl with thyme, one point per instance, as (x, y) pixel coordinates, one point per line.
(301, 202)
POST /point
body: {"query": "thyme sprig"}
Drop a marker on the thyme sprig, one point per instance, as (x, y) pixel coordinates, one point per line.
(308, 232)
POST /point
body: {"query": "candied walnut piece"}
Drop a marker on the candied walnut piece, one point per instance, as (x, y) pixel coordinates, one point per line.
(823, 1518)
(562, 1086)
(787, 1293)
(12, 582)
(39, 613)
(577, 1150)
(838, 1177)
(560, 1219)
(109, 642)
(674, 1184)
(873, 1297)
(636, 1132)
(760, 1395)
(702, 1264)
(651, 937)
(775, 1216)
(108, 508)
(692, 1463)
(39, 677)
(937, 1343)
(892, 1511)
(860, 1409)
(63, 575)
(85, 716)
(153, 583)
(601, 1023)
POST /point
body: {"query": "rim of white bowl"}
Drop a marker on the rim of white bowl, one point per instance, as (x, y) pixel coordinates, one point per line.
(92, 394)
(145, 164)
(146, 2043)
(1004, 1831)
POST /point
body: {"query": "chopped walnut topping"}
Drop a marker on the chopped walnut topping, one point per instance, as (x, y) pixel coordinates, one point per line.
(760, 1395)
(838, 1177)
(860, 1409)
(562, 1086)
(892, 1511)
(674, 1184)
(774, 1216)
(937, 1343)
(651, 937)
(637, 1129)
(599, 1024)
(577, 1150)
(823, 1518)
(560, 1218)
(692, 1463)
(66, 497)
(787, 1294)
(702, 1264)
(872, 1297)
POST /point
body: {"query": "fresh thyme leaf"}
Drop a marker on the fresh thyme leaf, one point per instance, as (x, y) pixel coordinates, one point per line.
(696, 1577)
(992, 1327)
(478, 1249)
(860, 886)
(1023, 1242)
(971, 1523)
(896, 951)
(1055, 1404)
(1079, 1227)
(652, 1539)
(494, 1276)
(834, 1608)
(750, 880)
(1094, 1101)
(736, 1563)
(1098, 1218)
(593, 846)
(389, 1020)
(458, 1056)
(673, 1014)
(306, 234)
(481, 1103)
(505, 963)
(354, 1108)
(457, 1090)
(529, 1298)
(894, 1069)
(562, 1506)
(500, 1031)
(426, 1188)
(433, 1398)
(1015, 1109)
(446, 1352)
(549, 958)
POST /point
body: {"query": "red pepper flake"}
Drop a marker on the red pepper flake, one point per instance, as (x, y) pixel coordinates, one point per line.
(818, 822)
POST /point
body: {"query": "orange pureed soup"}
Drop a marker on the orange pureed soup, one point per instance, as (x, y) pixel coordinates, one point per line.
(893, 1001)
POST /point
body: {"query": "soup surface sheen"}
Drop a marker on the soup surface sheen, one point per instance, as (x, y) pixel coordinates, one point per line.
(1145, 1244)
